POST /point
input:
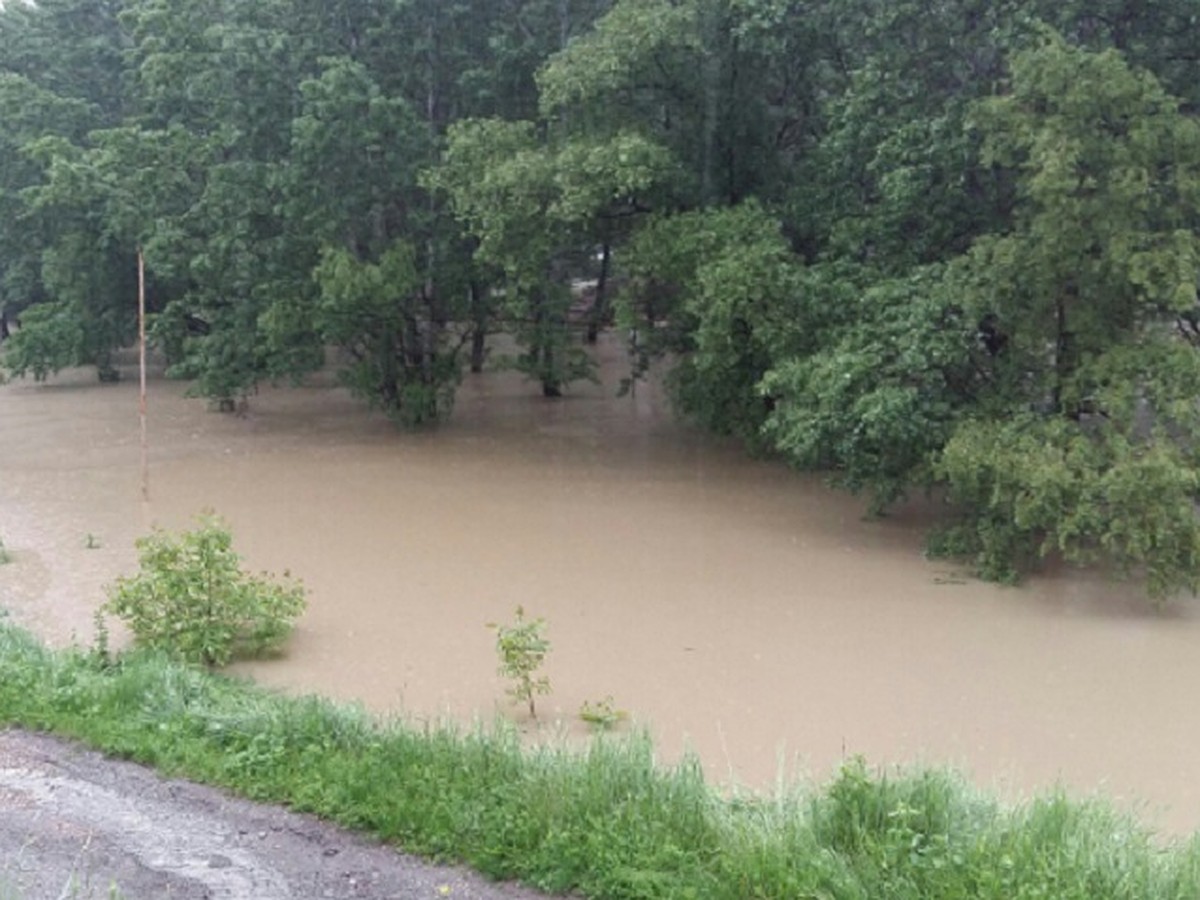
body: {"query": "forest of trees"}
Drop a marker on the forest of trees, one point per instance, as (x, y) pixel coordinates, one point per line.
(949, 245)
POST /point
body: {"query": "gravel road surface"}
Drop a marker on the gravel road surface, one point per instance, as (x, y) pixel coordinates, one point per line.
(75, 825)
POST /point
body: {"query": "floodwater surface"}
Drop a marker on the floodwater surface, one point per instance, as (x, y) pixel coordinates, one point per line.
(733, 607)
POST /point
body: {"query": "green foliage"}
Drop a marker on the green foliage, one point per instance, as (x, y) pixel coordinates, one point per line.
(51, 338)
(854, 230)
(522, 648)
(101, 650)
(57, 249)
(729, 290)
(895, 369)
(1092, 289)
(192, 600)
(601, 715)
(403, 360)
(1109, 188)
(5, 556)
(892, 178)
(687, 77)
(604, 823)
(533, 206)
(1035, 486)
(43, 105)
(631, 38)
(1041, 376)
(224, 363)
(378, 144)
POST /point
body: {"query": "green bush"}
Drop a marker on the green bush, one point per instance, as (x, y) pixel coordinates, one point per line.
(522, 648)
(192, 600)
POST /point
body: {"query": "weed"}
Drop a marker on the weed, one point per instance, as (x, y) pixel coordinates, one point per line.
(100, 647)
(91, 542)
(5, 556)
(601, 715)
(522, 648)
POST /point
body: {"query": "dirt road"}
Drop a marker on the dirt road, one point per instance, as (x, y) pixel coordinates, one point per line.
(76, 825)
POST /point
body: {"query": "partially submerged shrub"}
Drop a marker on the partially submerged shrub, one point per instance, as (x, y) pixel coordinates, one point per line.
(192, 599)
(522, 648)
(601, 715)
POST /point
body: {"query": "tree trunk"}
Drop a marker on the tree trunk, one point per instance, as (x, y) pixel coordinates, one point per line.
(541, 350)
(479, 333)
(1062, 348)
(551, 383)
(599, 311)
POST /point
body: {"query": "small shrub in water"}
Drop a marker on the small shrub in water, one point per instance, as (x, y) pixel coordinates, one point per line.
(601, 715)
(522, 648)
(192, 599)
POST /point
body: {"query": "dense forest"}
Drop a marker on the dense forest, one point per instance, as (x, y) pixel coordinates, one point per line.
(949, 246)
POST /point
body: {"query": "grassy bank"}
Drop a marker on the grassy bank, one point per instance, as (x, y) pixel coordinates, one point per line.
(605, 823)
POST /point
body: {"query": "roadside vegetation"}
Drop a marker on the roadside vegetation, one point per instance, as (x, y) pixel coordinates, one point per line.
(605, 822)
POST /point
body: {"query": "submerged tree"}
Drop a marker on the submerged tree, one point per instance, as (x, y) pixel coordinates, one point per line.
(59, 79)
(721, 291)
(530, 205)
(403, 360)
(1046, 377)
(1091, 448)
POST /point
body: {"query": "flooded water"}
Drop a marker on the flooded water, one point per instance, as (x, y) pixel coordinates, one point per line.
(732, 606)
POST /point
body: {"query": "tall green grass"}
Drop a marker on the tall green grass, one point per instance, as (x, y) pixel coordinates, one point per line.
(606, 822)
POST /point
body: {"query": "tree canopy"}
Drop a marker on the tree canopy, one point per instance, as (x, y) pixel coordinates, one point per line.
(948, 248)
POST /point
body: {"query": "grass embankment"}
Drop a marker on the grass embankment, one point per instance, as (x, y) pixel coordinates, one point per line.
(606, 823)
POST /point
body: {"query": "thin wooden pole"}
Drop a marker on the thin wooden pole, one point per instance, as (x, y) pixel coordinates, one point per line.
(142, 372)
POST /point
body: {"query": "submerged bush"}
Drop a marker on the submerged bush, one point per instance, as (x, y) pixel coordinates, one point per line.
(522, 648)
(192, 600)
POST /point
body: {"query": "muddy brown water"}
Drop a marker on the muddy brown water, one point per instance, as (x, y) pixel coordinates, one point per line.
(732, 606)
